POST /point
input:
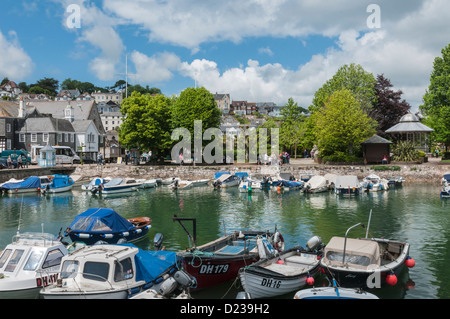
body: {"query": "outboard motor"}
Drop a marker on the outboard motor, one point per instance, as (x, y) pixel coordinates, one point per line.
(314, 243)
(184, 279)
(158, 240)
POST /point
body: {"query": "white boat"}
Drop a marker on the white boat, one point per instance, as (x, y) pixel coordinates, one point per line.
(31, 184)
(168, 181)
(117, 185)
(347, 185)
(179, 185)
(249, 186)
(110, 272)
(226, 180)
(30, 262)
(374, 183)
(59, 184)
(279, 275)
(147, 183)
(200, 182)
(316, 184)
(334, 293)
(94, 183)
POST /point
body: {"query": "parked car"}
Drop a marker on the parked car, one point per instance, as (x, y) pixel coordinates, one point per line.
(86, 160)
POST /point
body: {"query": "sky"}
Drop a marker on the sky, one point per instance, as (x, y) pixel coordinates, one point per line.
(254, 50)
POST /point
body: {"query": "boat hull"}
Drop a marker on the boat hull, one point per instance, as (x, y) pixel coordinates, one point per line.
(333, 293)
(57, 189)
(105, 294)
(126, 188)
(93, 238)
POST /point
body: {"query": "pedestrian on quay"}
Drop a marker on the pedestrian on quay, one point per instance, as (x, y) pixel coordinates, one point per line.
(19, 162)
(8, 161)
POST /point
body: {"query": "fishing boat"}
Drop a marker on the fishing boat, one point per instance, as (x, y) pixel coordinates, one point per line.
(180, 185)
(104, 225)
(95, 182)
(59, 184)
(365, 262)
(29, 263)
(374, 183)
(117, 185)
(316, 184)
(348, 185)
(282, 274)
(111, 272)
(31, 184)
(219, 261)
(226, 180)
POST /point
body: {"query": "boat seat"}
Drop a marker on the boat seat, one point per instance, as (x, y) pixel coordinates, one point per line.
(285, 269)
(231, 250)
(300, 260)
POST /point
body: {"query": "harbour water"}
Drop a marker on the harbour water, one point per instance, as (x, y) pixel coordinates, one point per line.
(412, 213)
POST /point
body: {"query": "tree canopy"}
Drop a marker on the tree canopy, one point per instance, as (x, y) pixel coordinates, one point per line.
(292, 125)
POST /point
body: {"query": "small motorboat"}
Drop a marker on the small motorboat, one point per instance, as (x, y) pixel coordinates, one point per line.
(396, 181)
(219, 261)
(96, 181)
(348, 185)
(334, 292)
(29, 263)
(180, 185)
(226, 180)
(282, 274)
(168, 181)
(104, 225)
(365, 262)
(250, 186)
(316, 184)
(111, 272)
(445, 191)
(147, 183)
(31, 184)
(59, 184)
(117, 185)
(200, 182)
(374, 183)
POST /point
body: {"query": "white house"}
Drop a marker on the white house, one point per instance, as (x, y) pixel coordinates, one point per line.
(86, 138)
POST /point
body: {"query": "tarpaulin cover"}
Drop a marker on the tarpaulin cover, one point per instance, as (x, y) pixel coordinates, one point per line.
(30, 182)
(100, 220)
(61, 181)
(151, 264)
(218, 174)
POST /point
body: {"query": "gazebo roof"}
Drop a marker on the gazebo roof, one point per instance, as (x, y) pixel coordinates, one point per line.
(409, 123)
(376, 140)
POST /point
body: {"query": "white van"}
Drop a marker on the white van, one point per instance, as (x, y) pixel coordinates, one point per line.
(64, 154)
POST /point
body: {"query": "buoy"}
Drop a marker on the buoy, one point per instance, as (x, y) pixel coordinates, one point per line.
(391, 279)
(280, 261)
(310, 280)
(409, 262)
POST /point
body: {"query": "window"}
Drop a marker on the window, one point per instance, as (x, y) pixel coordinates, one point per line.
(8, 127)
(34, 137)
(72, 137)
(33, 260)
(59, 137)
(5, 257)
(14, 261)
(22, 138)
(96, 271)
(53, 259)
(69, 269)
(45, 137)
(123, 270)
(66, 137)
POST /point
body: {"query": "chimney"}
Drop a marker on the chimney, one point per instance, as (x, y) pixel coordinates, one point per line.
(22, 110)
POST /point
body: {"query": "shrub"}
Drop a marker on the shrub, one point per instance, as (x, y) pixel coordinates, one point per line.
(404, 151)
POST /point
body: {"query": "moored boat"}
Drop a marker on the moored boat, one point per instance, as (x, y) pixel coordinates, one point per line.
(59, 184)
(374, 183)
(347, 185)
(226, 180)
(117, 185)
(96, 181)
(105, 225)
(365, 262)
(180, 185)
(249, 186)
(334, 293)
(282, 274)
(111, 272)
(29, 263)
(31, 184)
(316, 184)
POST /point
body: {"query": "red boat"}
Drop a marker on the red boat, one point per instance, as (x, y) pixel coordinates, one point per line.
(219, 261)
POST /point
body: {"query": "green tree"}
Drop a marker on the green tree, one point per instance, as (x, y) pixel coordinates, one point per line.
(342, 125)
(195, 104)
(352, 77)
(292, 125)
(146, 124)
(4, 81)
(436, 101)
(49, 85)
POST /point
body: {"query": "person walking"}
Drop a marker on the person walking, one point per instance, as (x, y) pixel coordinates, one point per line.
(8, 161)
(19, 162)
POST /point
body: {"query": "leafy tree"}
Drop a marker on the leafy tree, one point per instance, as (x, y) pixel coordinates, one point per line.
(195, 104)
(353, 78)
(146, 124)
(49, 85)
(436, 101)
(389, 107)
(292, 127)
(4, 81)
(69, 84)
(36, 89)
(24, 87)
(342, 125)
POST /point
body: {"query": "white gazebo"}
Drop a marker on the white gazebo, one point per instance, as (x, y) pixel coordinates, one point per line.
(47, 157)
(409, 128)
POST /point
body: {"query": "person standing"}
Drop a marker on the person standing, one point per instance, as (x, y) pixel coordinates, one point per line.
(8, 161)
(19, 162)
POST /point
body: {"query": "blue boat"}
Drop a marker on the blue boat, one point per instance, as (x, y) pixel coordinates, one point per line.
(104, 225)
(29, 185)
(59, 184)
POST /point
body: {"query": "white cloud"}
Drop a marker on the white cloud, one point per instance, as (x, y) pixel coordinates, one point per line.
(15, 63)
(265, 50)
(157, 68)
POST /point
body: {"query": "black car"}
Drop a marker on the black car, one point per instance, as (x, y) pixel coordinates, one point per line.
(86, 160)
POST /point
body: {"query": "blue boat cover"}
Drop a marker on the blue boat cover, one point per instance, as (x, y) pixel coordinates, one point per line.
(447, 177)
(30, 182)
(241, 175)
(61, 181)
(291, 184)
(218, 174)
(100, 220)
(151, 264)
(114, 182)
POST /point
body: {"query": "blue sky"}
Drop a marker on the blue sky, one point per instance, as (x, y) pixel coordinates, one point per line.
(256, 50)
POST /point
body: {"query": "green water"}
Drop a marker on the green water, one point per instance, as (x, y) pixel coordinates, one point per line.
(412, 213)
